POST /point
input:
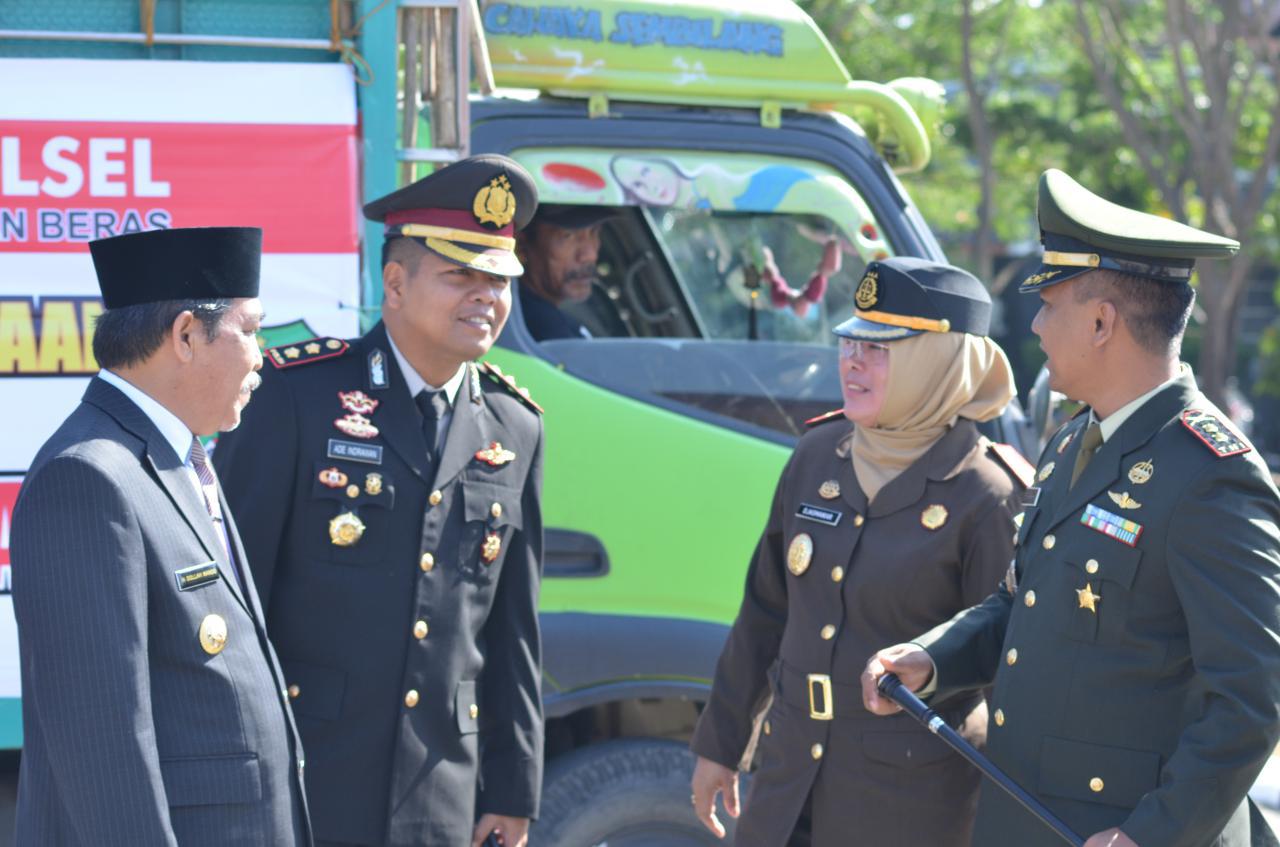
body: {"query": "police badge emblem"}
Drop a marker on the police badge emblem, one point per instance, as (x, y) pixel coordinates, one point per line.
(868, 291)
(495, 203)
(800, 554)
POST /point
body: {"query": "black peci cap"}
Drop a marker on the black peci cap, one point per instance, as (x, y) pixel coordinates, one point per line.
(198, 263)
(903, 296)
(467, 212)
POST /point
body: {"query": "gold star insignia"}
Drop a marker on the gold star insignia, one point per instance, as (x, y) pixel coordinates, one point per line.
(292, 352)
(312, 348)
(1088, 600)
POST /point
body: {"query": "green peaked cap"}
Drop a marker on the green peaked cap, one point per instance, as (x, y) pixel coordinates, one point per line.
(1082, 231)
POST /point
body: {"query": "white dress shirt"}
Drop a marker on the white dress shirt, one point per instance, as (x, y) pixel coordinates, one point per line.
(416, 384)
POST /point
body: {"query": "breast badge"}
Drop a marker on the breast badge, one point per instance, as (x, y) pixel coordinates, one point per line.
(332, 478)
(345, 529)
(358, 402)
(1087, 599)
(357, 426)
(1062, 445)
(829, 490)
(373, 484)
(492, 547)
(1123, 500)
(1141, 472)
(934, 516)
(213, 634)
(495, 455)
(353, 491)
(1045, 472)
(800, 554)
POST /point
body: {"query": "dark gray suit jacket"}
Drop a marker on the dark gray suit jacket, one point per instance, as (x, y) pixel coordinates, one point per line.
(133, 733)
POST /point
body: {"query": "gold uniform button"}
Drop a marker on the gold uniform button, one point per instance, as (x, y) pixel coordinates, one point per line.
(828, 632)
(1012, 656)
(816, 751)
(999, 717)
(1029, 599)
(435, 497)
(294, 691)
(1096, 784)
(837, 573)
(1091, 566)
(420, 629)
(859, 520)
(427, 562)
(411, 698)
(768, 728)
(496, 510)
(1049, 541)
(474, 711)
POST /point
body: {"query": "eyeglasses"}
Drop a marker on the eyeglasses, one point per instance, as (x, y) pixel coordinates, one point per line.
(866, 351)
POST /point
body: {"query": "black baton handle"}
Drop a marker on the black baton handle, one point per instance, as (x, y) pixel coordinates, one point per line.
(890, 686)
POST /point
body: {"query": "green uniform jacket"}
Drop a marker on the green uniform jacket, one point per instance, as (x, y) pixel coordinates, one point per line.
(1136, 678)
(936, 539)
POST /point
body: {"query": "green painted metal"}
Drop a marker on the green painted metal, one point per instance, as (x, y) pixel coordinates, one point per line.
(378, 137)
(702, 52)
(679, 527)
(10, 723)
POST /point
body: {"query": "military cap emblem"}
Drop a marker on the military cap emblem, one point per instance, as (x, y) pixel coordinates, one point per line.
(829, 490)
(1045, 472)
(495, 203)
(332, 478)
(492, 547)
(800, 554)
(933, 517)
(357, 426)
(495, 454)
(1123, 500)
(358, 402)
(868, 293)
(213, 634)
(1141, 472)
(373, 484)
(345, 529)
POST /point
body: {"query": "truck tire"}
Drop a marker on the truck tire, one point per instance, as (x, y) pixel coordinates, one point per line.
(632, 792)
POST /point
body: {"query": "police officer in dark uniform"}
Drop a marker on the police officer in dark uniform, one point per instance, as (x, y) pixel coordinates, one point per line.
(896, 489)
(1135, 643)
(387, 490)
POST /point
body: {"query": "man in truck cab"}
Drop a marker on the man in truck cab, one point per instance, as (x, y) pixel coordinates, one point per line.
(559, 250)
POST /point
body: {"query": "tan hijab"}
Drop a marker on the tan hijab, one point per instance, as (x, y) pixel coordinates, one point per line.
(934, 378)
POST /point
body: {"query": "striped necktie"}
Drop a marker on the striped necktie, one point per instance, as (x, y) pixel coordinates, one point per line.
(209, 489)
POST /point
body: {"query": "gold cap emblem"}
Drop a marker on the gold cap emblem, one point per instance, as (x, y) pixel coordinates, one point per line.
(213, 634)
(1141, 472)
(346, 529)
(934, 516)
(868, 291)
(800, 554)
(494, 203)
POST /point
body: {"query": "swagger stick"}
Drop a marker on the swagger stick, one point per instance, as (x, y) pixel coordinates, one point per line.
(890, 686)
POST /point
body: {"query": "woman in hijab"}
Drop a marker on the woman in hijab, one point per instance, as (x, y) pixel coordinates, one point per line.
(892, 515)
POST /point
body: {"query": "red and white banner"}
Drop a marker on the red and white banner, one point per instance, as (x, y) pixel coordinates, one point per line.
(90, 149)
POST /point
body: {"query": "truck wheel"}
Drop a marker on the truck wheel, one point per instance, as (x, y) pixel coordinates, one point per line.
(625, 793)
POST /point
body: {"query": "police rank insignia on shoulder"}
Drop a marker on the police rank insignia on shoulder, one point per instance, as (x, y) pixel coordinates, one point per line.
(509, 382)
(1215, 433)
(315, 350)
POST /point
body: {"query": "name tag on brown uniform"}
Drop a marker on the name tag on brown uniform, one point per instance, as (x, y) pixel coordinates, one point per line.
(819, 514)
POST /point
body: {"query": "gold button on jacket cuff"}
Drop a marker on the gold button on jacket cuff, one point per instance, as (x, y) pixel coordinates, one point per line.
(816, 751)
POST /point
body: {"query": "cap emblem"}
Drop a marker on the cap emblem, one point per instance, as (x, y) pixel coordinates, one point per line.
(494, 203)
(867, 294)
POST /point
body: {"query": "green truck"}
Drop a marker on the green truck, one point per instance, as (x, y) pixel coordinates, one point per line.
(734, 150)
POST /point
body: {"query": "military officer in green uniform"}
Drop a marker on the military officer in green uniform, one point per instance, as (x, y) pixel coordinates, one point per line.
(1135, 643)
(896, 489)
(387, 491)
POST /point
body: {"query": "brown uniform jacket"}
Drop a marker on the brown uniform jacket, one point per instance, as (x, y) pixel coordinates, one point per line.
(937, 538)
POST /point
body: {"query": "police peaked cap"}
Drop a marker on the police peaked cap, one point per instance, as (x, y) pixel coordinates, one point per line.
(1081, 232)
(904, 296)
(199, 263)
(467, 212)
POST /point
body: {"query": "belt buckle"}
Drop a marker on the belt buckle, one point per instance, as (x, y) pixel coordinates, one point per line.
(820, 682)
